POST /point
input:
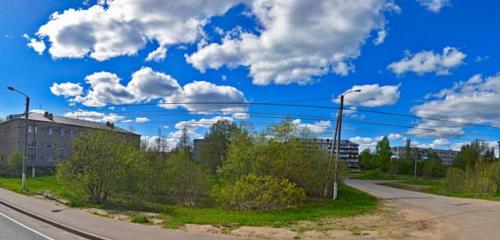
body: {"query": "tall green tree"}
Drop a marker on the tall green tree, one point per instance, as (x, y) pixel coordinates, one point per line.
(471, 154)
(433, 167)
(383, 154)
(184, 143)
(216, 143)
(367, 160)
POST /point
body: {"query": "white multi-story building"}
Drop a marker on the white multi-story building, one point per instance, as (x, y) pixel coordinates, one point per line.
(446, 156)
(348, 151)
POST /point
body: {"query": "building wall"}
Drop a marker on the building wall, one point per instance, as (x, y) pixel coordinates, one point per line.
(446, 156)
(348, 151)
(48, 143)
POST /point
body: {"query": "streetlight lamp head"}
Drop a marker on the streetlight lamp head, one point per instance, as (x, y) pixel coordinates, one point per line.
(11, 88)
(357, 90)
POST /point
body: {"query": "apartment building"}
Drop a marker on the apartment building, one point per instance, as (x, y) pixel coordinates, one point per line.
(348, 151)
(446, 156)
(49, 136)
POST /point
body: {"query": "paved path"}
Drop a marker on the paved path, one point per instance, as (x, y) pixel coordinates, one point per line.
(16, 226)
(100, 226)
(476, 219)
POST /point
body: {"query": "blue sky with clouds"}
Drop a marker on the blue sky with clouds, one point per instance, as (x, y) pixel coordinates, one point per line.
(96, 60)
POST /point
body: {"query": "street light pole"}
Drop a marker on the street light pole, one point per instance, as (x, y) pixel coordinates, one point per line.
(26, 116)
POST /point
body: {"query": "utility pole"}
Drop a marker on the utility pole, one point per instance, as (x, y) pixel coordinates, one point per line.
(337, 148)
(26, 116)
(336, 141)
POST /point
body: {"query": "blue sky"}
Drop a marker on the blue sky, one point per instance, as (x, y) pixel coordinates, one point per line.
(434, 59)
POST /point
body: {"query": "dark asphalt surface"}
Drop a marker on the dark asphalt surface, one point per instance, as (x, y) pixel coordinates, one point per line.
(10, 230)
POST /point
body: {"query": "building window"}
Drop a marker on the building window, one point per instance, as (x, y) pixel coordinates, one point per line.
(50, 159)
(49, 145)
(61, 132)
(32, 144)
(49, 130)
(71, 132)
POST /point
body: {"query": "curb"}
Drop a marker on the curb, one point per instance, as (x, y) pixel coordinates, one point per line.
(61, 226)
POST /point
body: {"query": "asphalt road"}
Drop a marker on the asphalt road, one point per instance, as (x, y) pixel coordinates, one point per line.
(476, 219)
(16, 226)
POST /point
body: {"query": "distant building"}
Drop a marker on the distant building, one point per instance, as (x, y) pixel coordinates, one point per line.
(197, 144)
(446, 156)
(349, 151)
(49, 136)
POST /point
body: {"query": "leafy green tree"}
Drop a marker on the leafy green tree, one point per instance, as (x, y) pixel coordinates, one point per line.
(186, 182)
(100, 165)
(433, 167)
(260, 193)
(383, 154)
(13, 165)
(471, 154)
(367, 160)
(216, 144)
(278, 154)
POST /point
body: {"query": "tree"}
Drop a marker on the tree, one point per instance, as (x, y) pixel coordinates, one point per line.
(366, 160)
(216, 143)
(383, 154)
(184, 143)
(100, 165)
(471, 154)
(433, 167)
(186, 182)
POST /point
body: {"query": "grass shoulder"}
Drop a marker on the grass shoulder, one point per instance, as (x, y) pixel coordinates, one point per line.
(350, 202)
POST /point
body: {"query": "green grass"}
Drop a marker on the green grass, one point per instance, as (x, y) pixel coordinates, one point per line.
(436, 186)
(139, 218)
(377, 175)
(39, 185)
(350, 202)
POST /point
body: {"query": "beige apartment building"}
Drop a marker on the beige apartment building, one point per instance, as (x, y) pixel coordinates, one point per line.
(49, 136)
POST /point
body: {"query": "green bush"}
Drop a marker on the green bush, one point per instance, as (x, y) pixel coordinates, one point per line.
(186, 183)
(139, 218)
(260, 193)
(454, 181)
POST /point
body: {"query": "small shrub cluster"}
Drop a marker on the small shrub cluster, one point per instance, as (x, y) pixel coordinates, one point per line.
(261, 193)
(482, 179)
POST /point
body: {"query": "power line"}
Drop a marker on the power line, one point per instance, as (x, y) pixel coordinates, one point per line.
(219, 104)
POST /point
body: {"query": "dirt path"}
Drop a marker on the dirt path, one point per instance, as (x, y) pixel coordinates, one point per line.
(472, 218)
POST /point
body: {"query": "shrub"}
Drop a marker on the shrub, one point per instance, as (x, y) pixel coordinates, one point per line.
(186, 183)
(260, 193)
(454, 181)
(139, 218)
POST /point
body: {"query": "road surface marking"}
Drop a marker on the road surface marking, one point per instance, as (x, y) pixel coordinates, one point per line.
(24, 226)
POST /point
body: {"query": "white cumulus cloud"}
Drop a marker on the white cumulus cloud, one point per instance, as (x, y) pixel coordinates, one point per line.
(95, 116)
(66, 89)
(371, 95)
(476, 100)
(298, 40)
(435, 5)
(319, 127)
(429, 61)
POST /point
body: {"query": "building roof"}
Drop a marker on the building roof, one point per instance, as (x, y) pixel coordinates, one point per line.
(47, 117)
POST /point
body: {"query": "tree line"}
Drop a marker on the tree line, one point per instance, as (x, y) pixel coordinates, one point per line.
(237, 168)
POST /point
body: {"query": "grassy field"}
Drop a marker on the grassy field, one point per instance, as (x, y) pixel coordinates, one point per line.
(350, 202)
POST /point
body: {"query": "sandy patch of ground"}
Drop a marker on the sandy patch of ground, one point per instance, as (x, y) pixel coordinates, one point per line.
(392, 221)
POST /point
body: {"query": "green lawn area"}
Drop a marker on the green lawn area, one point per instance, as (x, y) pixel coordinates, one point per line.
(436, 186)
(350, 202)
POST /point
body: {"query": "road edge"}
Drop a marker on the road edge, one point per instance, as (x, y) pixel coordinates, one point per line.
(61, 226)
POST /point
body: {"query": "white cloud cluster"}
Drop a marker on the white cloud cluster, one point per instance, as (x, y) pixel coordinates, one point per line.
(434, 5)
(476, 100)
(37, 45)
(116, 28)
(95, 116)
(436, 143)
(319, 127)
(141, 120)
(298, 40)
(371, 95)
(371, 142)
(66, 89)
(429, 61)
(201, 91)
(146, 85)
